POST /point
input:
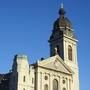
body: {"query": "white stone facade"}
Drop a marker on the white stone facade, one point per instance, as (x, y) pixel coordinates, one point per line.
(58, 72)
(41, 73)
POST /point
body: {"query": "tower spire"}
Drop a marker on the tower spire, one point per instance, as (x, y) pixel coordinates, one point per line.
(62, 6)
(62, 11)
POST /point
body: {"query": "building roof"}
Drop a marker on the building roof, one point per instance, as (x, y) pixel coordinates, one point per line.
(4, 81)
(55, 63)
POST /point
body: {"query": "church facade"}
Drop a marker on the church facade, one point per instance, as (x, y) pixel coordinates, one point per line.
(58, 72)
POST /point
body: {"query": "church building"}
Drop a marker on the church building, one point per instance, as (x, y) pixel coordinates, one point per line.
(58, 72)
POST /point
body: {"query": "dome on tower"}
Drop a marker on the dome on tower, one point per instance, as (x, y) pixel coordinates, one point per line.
(62, 21)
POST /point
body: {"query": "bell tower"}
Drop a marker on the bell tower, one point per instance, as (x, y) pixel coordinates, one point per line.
(63, 38)
(62, 28)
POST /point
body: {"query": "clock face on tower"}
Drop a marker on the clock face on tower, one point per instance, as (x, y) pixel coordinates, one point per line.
(70, 33)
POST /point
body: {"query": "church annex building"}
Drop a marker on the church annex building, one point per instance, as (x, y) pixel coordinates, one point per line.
(58, 72)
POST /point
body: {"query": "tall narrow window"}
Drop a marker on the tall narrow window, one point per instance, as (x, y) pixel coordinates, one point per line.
(45, 87)
(32, 80)
(24, 79)
(70, 52)
(55, 84)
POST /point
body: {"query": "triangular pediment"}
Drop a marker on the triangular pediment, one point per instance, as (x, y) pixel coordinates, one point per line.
(55, 63)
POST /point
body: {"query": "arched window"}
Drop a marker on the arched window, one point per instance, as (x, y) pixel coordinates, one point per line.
(69, 52)
(45, 87)
(55, 84)
(64, 88)
(23, 88)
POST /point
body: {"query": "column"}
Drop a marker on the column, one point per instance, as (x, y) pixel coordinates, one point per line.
(41, 81)
(69, 84)
(59, 84)
(68, 88)
(50, 82)
(38, 81)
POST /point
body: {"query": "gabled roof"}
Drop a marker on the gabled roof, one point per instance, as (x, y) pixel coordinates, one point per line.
(55, 63)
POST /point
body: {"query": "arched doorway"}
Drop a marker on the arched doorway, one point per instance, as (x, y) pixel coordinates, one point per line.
(55, 84)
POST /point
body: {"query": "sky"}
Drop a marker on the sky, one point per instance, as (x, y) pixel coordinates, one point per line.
(26, 25)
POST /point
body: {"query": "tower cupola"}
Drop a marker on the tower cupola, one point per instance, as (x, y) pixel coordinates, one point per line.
(62, 21)
(62, 28)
